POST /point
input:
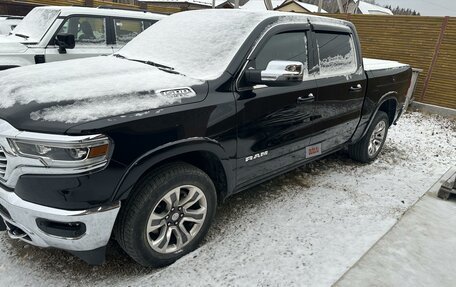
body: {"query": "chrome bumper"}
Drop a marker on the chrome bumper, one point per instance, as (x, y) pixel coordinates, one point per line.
(21, 215)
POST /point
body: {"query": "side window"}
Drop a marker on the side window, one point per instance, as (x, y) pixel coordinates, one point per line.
(147, 24)
(127, 29)
(87, 31)
(336, 53)
(291, 46)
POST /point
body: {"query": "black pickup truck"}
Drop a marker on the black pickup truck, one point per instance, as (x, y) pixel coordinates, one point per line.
(140, 146)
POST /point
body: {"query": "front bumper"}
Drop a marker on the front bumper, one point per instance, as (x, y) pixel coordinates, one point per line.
(21, 220)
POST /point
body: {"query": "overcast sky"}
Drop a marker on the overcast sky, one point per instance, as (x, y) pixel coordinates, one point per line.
(425, 7)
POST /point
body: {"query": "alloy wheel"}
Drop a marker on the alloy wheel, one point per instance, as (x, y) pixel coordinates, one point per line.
(176, 219)
(376, 139)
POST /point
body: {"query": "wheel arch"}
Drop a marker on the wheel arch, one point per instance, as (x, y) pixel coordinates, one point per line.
(389, 106)
(387, 103)
(206, 154)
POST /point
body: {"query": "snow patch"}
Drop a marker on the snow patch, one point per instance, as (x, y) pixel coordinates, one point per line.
(93, 109)
(338, 65)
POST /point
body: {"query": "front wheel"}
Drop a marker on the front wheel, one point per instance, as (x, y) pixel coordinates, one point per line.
(368, 148)
(167, 215)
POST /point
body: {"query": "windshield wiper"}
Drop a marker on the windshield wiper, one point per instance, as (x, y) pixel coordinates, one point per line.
(21, 35)
(164, 68)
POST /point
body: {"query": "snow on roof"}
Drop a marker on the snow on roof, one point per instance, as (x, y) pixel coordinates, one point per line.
(197, 2)
(71, 10)
(367, 8)
(258, 5)
(310, 7)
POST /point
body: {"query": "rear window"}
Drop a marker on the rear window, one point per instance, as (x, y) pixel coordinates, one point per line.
(336, 54)
(127, 29)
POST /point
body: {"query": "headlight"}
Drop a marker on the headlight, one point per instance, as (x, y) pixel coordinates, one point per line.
(65, 154)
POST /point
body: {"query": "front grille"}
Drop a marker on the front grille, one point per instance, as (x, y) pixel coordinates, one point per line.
(3, 162)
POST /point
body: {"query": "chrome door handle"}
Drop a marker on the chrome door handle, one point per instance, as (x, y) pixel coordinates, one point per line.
(356, 88)
(309, 98)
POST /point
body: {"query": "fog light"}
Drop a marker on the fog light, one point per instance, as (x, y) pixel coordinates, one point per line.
(61, 229)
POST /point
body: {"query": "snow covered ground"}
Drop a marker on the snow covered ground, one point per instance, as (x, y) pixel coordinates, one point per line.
(305, 228)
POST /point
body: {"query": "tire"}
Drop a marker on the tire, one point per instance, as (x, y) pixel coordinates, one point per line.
(150, 226)
(363, 151)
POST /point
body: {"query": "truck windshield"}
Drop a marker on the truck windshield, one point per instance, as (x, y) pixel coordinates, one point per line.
(199, 44)
(35, 24)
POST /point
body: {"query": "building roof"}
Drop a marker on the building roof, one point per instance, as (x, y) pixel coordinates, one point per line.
(196, 2)
(306, 6)
(310, 7)
(367, 8)
(258, 5)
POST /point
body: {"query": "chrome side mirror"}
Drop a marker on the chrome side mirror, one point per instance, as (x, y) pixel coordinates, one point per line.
(277, 73)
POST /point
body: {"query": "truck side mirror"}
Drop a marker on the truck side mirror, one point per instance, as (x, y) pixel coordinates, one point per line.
(65, 41)
(277, 73)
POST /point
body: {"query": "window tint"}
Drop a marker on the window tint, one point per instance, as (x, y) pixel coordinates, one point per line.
(286, 46)
(87, 31)
(336, 53)
(126, 30)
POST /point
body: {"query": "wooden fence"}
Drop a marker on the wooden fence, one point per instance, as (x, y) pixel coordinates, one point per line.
(427, 43)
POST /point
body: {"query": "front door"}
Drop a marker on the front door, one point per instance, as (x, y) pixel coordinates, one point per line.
(274, 123)
(90, 37)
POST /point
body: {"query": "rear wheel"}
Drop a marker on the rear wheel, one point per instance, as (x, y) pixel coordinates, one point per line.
(167, 215)
(368, 148)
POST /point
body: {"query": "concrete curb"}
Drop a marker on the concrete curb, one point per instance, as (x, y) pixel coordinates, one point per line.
(432, 109)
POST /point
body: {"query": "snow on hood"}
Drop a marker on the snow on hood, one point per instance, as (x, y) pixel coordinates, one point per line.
(88, 89)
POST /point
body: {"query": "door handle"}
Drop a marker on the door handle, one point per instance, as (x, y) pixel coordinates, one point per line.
(309, 98)
(356, 88)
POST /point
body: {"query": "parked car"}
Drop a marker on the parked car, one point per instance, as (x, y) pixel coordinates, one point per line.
(54, 33)
(143, 144)
(8, 23)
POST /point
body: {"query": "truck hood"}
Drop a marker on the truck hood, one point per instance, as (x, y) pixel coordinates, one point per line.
(11, 44)
(56, 96)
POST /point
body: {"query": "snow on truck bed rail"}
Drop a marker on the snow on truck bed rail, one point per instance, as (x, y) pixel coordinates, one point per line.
(376, 64)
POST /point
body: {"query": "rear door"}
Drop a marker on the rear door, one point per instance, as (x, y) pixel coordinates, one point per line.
(91, 37)
(274, 123)
(341, 85)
